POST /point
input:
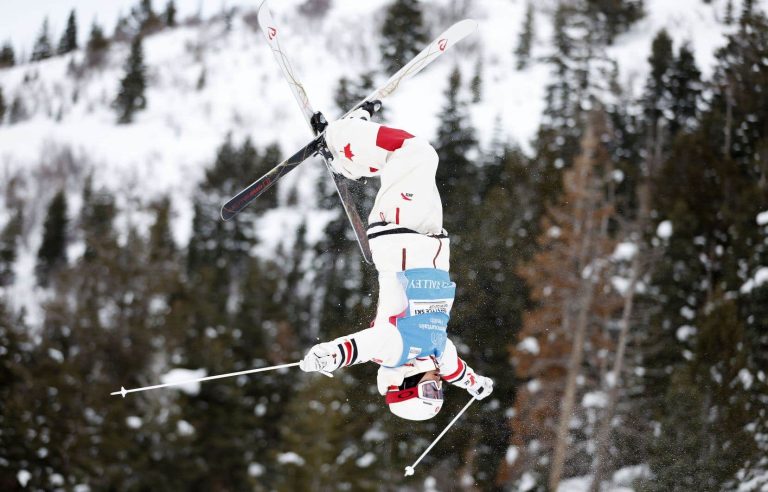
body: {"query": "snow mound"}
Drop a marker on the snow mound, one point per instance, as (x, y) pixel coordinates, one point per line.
(181, 375)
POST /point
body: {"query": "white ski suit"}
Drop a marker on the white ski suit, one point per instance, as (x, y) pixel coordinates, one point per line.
(410, 249)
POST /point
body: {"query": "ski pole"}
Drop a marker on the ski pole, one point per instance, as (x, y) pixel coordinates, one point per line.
(409, 470)
(124, 391)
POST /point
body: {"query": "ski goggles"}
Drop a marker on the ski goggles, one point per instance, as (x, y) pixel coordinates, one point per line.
(426, 390)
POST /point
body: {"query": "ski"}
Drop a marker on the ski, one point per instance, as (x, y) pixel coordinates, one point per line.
(270, 31)
(435, 49)
(448, 38)
(238, 202)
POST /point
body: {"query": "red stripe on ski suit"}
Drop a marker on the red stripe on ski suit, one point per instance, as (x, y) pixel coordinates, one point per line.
(458, 371)
(393, 319)
(391, 139)
(348, 349)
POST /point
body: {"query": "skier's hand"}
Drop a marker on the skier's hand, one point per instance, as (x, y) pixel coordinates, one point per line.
(359, 114)
(366, 110)
(323, 357)
(479, 386)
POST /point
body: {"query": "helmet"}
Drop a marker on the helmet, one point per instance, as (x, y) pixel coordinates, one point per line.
(407, 393)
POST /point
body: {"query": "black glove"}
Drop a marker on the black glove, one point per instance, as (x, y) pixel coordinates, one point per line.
(372, 107)
(318, 122)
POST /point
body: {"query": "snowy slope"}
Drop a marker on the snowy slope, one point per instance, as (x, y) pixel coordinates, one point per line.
(171, 143)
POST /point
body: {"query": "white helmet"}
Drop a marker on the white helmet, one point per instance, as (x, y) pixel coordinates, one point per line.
(406, 394)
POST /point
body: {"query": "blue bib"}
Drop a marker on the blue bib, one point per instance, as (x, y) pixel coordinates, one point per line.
(430, 294)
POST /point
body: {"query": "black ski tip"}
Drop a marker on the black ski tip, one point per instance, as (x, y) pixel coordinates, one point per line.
(226, 214)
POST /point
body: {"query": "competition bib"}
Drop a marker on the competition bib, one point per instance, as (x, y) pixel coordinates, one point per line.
(430, 294)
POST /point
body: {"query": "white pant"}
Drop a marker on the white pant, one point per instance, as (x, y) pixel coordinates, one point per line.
(394, 253)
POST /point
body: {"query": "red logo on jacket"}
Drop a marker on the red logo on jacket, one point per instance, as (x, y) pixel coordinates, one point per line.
(442, 44)
(271, 33)
(348, 152)
(407, 196)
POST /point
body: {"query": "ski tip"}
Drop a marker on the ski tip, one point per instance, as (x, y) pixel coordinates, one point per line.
(471, 24)
(226, 214)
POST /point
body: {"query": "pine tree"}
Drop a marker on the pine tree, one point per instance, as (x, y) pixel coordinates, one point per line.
(728, 18)
(569, 93)
(17, 112)
(747, 12)
(97, 46)
(7, 56)
(329, 415)
(613, 17)
(96, 218)
(101, 326)
(661, 61)
(52, 253)
(672, 91)
(741, 67)
(525, 39)
(228, 293)
(2, 106)
(708, 334)
(349, 93)
(146, 18)
(123, 30)
(170, 14)
(42, 49)
(457, 173)
(17, 359)
(68, 40)
(565, 331)
(476, 84)
(343, 97)
(491, 297)
(403, 34)
(685, 90)
(9, 248)
(710, 452)
(131, 97)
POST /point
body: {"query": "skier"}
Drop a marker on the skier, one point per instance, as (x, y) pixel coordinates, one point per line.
(411, 252)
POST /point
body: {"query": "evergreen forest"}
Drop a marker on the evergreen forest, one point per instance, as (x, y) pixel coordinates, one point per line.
(612, 278)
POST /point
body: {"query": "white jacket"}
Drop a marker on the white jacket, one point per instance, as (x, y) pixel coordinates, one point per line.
(405, 226)
(408, 195)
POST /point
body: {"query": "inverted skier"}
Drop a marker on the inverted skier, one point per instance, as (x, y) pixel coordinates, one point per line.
(411, 252)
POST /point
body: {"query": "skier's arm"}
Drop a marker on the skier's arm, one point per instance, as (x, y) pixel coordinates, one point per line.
(360, 147)
(455, 371)
(381, 344)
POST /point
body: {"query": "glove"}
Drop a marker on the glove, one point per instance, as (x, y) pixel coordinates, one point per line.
(359, 114)
(480, 386)
(323, 357)
(366, 110)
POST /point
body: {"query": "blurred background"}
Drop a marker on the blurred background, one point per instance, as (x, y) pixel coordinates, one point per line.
(604, 173)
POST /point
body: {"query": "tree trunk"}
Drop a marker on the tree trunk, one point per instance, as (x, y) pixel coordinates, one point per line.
(569, 398)
(728, 119)
(604, 431)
